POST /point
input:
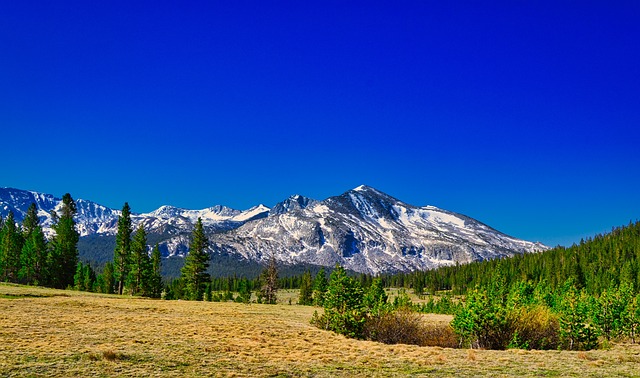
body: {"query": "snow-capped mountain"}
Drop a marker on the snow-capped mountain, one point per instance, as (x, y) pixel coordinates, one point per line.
(91, 217)
(363, 229)
(368, 231)
(95, 219)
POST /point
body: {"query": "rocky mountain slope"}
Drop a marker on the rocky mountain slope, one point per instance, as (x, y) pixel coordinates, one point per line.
(363, 229)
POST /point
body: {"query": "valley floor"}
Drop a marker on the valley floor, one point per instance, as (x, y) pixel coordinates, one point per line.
(52, 333)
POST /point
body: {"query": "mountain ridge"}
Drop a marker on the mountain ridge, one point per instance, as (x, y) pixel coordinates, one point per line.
(363, 229)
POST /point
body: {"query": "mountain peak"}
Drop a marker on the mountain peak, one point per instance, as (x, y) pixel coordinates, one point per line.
(363, 188)
(368, 190)
(294, 202)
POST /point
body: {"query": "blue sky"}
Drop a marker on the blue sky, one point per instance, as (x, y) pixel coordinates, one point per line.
(523, 115)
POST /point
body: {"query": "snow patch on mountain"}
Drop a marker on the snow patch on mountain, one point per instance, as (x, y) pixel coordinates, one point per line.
(363, 229)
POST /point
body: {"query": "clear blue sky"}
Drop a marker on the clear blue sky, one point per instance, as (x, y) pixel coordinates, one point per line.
(523, 115)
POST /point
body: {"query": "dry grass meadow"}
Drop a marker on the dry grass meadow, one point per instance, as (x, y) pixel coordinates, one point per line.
(52, 333)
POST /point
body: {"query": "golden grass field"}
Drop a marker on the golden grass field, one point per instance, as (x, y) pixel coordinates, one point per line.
(53, 333)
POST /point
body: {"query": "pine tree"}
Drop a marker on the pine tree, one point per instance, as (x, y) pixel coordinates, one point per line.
(375, 299)
(194, 272)
(631, 318)
(306, 290)
(63, 256)
(108, 278)
(269, 282)
(33, 258)
(140, 264)
(78, 278)
(34, 251)
(344, 311)
(88, 278)
(319, 287)
(10, 248)
(122, 252)
(244, 291)
(30, 221)
(155, 282)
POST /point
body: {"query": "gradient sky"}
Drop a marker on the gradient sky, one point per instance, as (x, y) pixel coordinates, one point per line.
(523, 115)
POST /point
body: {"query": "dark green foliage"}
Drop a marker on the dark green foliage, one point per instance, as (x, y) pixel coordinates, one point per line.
(194, 271)
(97, 248)
(175, 289)
(122, 252)
(344, 308)
(577, 328)
(63, 255)
(593, 265)
(33, 258)
(108, 279)
(30, 221)
(244, 291)
(375, 298)
(140, 274)
(155, 280)
(10, 249)
(609, 310)
(84, 278)
(320, 284)
(306, 290)
(269, 283)
(443, 305)
(631, 319)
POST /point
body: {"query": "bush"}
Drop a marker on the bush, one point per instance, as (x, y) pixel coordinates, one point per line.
(535, 328)
(404, 326)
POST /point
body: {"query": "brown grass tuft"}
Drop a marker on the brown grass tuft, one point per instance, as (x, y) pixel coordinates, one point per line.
(109, 355)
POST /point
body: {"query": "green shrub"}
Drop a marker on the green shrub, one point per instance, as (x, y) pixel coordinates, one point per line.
(535, 327)
(344, 310)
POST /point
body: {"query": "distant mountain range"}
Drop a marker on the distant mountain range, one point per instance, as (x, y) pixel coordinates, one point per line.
(363, 229)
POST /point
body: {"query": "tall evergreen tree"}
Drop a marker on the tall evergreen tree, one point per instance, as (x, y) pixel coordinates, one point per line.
(33, 258)
(78, 278)
(10, 248)
(121, 254)
(320, 284)
(108, 278)
(306, 290)
(63, 256)
(194, 272)
(140, 264)
(30, 221)
(156, 277)
(269, 281)
(34, 251)
(344, 310)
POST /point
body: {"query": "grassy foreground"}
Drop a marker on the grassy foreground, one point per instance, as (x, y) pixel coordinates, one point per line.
(52, 333)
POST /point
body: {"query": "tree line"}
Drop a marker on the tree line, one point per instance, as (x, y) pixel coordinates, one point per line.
(134, 270)
(27, 257)
(593, 265)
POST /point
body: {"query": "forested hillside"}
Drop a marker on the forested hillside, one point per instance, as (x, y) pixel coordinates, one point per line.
(594, 265)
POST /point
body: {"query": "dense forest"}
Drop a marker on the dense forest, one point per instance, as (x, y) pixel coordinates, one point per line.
(593, 265)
